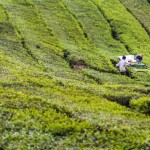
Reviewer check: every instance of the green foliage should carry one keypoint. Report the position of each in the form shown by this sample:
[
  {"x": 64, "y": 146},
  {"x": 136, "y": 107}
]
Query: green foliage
[
  {"x": 59, "y": 87},
  {"x": 139, "y": 9},
  {"x": 89, "y": 15},
  {"x": 141, "y": 105},
  {"x": 126, "y": 27},
  {"x": 102, "y": 77},
  {"x": 71, "y": 36}
]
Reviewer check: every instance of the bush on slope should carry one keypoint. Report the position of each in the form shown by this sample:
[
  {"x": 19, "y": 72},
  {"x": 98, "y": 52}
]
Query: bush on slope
[
  {"x": 71, "y": 37},
  {"x": 140, "y": 9},
  {"x": 95, "y": 27},
  {"x": 128, "y": 29},
  {"x": 44, "y": 104}
]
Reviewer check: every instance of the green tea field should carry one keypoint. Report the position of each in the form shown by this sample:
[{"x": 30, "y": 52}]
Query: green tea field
[{"x": 59, "y": 86}]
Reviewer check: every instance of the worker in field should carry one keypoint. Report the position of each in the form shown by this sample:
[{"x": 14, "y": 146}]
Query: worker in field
[
  {"x": 122, "y": 64},
  {"x": 139, "y": 58}
]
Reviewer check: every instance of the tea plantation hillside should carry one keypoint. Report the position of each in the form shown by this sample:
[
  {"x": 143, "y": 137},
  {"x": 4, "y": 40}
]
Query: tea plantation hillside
[{"x": 59, "y": 87}]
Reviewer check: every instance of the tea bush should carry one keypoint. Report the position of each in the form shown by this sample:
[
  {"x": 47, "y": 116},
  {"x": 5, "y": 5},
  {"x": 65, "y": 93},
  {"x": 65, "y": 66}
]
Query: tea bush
[
  {"x": 73, "y": 36},
  {"x": 126, "y": 27},
  {"x": 100, "y": 35},
  {"x": 141, "y": 105},
  {"x": 59, "y": 88},
  {"x": 138, "y": 9}
]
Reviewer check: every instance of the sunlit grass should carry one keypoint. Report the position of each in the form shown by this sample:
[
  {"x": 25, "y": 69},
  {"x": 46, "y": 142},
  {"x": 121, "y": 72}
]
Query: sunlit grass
[{"x": 58, "y": 87}]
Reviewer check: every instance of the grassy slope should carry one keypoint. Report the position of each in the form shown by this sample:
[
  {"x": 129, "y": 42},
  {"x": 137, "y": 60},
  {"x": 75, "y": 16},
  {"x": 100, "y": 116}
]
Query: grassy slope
[
  {"x": 45, "y": 104},
  {"x": 91, "y": 19},
  {"x": 128, "y": 30},
  {"x": 69, "y": 33},
  {"x": 140, "y": 9}
]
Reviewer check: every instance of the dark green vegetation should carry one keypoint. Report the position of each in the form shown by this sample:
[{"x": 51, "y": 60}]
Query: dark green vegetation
[{"x": 59, "y": 88}]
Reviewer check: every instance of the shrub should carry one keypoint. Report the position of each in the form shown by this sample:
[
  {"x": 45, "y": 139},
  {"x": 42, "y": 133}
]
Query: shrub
[{"x": 142, "y": 104}]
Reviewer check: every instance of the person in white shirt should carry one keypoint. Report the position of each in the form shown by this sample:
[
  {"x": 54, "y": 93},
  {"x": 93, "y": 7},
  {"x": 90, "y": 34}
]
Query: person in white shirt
[{"x": 122, "y": 64}]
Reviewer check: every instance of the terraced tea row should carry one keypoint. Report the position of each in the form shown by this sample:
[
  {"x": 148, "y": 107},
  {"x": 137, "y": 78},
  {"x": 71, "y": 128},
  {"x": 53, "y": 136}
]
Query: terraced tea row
[{"x": 59, "y": 88}]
